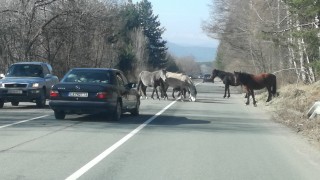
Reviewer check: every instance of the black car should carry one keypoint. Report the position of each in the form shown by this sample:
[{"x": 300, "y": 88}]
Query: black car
[
  {"x": 94, "y": 90},
  {"x": 207, "y": 78}
]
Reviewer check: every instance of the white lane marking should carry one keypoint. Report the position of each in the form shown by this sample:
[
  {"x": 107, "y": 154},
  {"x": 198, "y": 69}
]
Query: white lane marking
[
  {"x": 108, "y": 151},
  {"x": 23, "y": 121}
]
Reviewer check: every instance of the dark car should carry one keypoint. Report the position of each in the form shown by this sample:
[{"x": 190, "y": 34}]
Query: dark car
[
  {"x": 27, "y": 82},
  {"x": 94, "y": 90},
  {"x": 207, "y": 78}
]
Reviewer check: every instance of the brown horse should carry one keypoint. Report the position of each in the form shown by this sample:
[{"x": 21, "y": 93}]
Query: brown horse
[{"x": 255, "y": 82}]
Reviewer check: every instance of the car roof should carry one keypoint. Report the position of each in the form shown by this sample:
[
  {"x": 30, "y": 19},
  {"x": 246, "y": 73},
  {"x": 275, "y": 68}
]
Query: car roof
[
  {"x": 35, "y": 63},
  {"x": 103, "y": 69}
]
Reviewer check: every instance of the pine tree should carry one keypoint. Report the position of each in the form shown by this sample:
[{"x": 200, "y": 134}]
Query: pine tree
[{"x": 153, "y": 31}]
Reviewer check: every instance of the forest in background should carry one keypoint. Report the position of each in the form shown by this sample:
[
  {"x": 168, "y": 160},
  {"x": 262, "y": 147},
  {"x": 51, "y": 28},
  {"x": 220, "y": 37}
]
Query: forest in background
[
  {"x": 83, "y": 33},
  {"x": 274, "y": 36}
]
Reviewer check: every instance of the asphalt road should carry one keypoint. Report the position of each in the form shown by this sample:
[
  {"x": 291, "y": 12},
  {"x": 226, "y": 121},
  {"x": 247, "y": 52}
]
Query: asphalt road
[{"x": 212, "y": 138}]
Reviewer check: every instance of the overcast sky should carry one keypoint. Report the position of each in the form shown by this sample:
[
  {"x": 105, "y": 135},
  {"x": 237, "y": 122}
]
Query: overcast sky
[{"x": 182, "y": 20}]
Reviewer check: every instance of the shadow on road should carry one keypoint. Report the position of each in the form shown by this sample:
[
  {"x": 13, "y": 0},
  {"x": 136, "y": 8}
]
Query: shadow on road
[{"x": 8, "y": 106}]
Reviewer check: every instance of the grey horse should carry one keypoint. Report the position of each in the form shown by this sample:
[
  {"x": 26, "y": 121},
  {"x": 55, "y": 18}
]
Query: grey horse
[
  {"x": 182, "y": 83},
  {"x": 151, "y": 79}
]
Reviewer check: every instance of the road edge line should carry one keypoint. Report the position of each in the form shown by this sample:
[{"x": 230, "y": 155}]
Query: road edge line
[{"x": 19, "y": 122}]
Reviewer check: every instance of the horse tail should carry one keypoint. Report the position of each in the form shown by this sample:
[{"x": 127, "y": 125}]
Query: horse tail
[
  {"x": 274, "y": 86},
  {"x": 140, "y": 83}
]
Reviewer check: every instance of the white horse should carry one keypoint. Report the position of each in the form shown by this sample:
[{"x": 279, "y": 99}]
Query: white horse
[
  {"x": 181, "y": 81},
  {"x": 151, "y": 79}
]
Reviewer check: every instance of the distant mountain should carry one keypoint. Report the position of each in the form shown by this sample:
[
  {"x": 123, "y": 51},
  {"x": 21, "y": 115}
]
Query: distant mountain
[{"x": 201, "y": 54}]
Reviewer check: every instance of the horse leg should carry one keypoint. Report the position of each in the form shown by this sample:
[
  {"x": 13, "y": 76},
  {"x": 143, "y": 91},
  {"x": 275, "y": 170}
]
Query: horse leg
[
  {"x": 155, "y": 90},
  {"x": 152, "y": 93},
  {"x": 269, "y": 94},
  {"x": 184, "y": 92},
  {"x": 179, "y": 93},
  {"x": 228, "y": 88},
  {"x": 179, "y": 97},
  {"x": 163, "y": 90},
  {"x": 173, "y": 93},
  {"x": 253, "y": 99},
  {"x": 157, "y": 93},
  {"x": 144, "y": 89},
  {"x": 248, "y": 97},
  {"x": 225, "y": 91},
  {"x": 163, "y": 94}
]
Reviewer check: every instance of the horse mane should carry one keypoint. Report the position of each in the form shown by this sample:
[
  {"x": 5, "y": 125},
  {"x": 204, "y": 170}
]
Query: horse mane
[
  {"x": 245, "y": 77},
  {"x": 221, "y": 74}
]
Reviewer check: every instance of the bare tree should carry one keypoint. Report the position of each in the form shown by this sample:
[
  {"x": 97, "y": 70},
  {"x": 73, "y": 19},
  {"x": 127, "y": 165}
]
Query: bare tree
[
  {"x": 188, "y": 65},
  {"x": 265, "y": 36}
]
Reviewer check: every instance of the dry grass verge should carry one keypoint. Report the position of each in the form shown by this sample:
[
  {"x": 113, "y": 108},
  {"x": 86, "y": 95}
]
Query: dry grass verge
[{"x": 291, "y": 108}]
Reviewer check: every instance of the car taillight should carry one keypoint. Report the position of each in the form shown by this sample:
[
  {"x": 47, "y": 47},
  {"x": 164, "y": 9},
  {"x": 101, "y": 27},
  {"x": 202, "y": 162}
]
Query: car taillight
[
  {"x": 101, "y": 95},
  {"x": 54, "y": 93}
]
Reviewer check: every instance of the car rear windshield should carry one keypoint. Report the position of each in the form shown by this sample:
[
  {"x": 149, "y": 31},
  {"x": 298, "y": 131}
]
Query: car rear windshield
[
  {"x": 25, "y": 70},
  {"x": 87, "y": 76}
]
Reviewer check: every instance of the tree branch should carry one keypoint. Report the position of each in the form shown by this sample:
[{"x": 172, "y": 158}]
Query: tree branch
[{"x": 288, "y": 29}]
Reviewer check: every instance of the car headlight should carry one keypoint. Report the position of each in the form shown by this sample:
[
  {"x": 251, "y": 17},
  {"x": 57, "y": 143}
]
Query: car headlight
[{"x": 35, "y": 85}]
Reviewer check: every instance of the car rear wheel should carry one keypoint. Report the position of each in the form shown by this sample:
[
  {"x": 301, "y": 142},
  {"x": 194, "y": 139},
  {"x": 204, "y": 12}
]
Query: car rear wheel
[
  {"x": 41, "y": 101},
  {"x": 15, "y": 103},
  {"x": 1, "y": 103},
  {"x": 116, "y": 115},
  {"x": 59, "y": 114}
]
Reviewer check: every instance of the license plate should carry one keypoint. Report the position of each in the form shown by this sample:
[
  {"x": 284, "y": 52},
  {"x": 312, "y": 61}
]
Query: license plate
[
  {"x": 78, "y": 94},
  {"x": 14, "y": 91}
]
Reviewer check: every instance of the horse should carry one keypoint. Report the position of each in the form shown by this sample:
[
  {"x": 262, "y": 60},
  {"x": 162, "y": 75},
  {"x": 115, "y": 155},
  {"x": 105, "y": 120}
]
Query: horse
[
  {"x": 151, "y": 79},
  {"x": 256, "y": 82},
  {"x": 176, "y": 89},
  {"x": 227, "y": 78},
  {"x": 180, "y": 82}
]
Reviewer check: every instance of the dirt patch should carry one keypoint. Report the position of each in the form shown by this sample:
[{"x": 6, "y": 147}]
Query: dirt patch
[{"x": 291, "y": 107}]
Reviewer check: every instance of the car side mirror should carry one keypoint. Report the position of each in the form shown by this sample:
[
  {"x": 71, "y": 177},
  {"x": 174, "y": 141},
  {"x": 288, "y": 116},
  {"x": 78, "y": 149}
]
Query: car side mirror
[
  {"x": 47, "y": 76},
  {"x": 2, "y": 76}
]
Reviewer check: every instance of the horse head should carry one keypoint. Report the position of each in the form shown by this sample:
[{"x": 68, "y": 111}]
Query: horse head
[
  {"x": 193, "y": 90},
  {"x": 214, "y": 74},
  {"x": 163, "y": 75},
  {"x": 193, "y": 94},
  {"x": 237, "y": 77}
]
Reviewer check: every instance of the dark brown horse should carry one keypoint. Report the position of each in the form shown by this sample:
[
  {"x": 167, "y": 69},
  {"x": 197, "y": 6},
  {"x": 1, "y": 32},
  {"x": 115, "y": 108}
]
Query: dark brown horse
[
  {"x": 255, "y": 82},
  {"x": 227, "y": 78}
]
